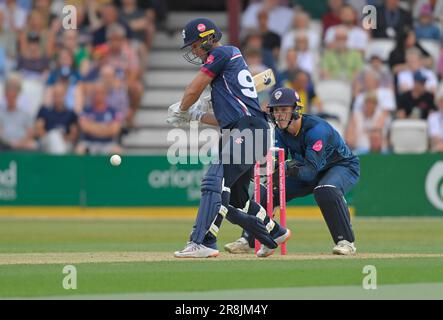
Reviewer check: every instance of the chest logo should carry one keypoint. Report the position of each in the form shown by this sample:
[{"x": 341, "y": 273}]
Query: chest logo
[{"x": 317, "y": 146}]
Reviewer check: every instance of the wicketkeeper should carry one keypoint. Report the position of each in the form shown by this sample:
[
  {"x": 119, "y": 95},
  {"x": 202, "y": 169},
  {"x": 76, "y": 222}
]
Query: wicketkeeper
[{"x": 320, "y": 163}]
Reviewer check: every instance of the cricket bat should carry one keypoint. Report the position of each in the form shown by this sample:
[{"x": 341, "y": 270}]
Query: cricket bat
[{"x": 264, "y": 80}]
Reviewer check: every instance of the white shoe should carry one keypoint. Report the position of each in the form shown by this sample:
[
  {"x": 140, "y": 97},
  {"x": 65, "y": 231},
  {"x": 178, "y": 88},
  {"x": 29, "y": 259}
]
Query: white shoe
[
  {"x": 264, "y": 251},
  {"x": 194, "y": 250},
  {"x": 239, "y": 246},
  {"x": 344, "y": 248}
]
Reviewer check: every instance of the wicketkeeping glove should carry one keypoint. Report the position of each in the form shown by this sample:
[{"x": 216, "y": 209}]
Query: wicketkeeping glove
[{"x": 292, "y": 168}]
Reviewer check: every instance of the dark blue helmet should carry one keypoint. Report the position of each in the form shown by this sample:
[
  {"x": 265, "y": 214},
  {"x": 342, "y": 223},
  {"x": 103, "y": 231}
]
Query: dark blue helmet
[
  {"x": 200, "y": 29},
  {"x": 285, "y": 97}
]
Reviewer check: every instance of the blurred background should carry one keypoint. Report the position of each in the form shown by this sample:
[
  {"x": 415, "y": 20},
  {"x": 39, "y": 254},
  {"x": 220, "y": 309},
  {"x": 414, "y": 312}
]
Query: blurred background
[{"x": 105, "y": 87}]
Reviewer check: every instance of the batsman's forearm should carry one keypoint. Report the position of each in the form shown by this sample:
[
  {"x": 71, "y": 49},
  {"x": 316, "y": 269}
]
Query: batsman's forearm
[{"x": 189, "y": 98}]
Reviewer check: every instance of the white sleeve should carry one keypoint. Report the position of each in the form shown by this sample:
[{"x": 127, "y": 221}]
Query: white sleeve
[
  {"x": 431, "y": 80},
  {"x": 433, "y": 125},
  {"x": 329, "y": 36},
  {"x": 358, "y": 103},
  {"x": 249, "y": 19},
  {"x": 362, "y": 39},
  {"x": 288, "y": 41},
  {"x": 386, "y": 99},
  {"x": 405, "y": 79}
]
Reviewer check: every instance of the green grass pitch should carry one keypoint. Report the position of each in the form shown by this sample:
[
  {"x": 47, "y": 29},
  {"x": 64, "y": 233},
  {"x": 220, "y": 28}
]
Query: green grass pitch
[{"x": 407, "y": 254}]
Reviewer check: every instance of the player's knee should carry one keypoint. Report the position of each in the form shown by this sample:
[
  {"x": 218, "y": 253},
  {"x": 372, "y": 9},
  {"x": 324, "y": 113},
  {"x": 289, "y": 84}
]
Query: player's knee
[
  {"x": 326, "y": 193},
  {"x": 215, "y": 183}
]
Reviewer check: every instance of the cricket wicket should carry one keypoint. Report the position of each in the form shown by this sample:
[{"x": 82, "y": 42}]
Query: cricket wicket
[{"x": 269, "y": 189}]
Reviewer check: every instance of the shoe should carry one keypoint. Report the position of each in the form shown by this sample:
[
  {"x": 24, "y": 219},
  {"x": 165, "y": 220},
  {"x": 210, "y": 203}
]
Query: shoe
[
  {"x": 264, "y": 251},
  {"x": 194, "y": 250},
  {"x": 344, "y": 248},
  {"x": 239, "y": 246}
]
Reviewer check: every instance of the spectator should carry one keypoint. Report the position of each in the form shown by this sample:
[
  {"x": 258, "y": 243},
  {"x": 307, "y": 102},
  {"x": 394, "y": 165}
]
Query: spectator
[
  {"x": 109, "y": 17},
  {"x": 56, "y": 126},
  {"x": 44, "y": 7},
  {"x": 117, "y": 94},
  {"x": 99, "y": 59},
  {"x": 66, "y": 72},
  {"x": 406, "y": 40},
  {"x": 357, "y": 37},
  {"x": 35, "y": 28},
  {"x": 8, "y": 47},
  {"x": 363, "y": 121},
  {"x": 291, "y": 64},
  {"x": 143, "y": 28},
  {"x": 16, "y": 127},
  {"x": 301, "y": 24},
  {"x": 332, "y": 17},
  {"x": 425, "y": 28},
  {"x": 254, "y": 60},
  {"x": 126, "y": 63},
  {"x": 99, "y": 126},
  {"x": 33, "y": 63},
  {"x": 375, "y": 65},
  {"x": 391, "y": 20},
  {"x": 299, "y": 80},
  {"x": 14, "y": 16},
  {"x": 280, "y": 17},
  {"x": 435, "y": 125},
  {"x": 70, "y": 41},
  {"x": 416, "y": 103},
  {"x": 271, "y": 40},
  {"x": 305, "y": 57},
  {"x": 436, "y": 9},
  {"x": 372, "y": 84},
  {"x": 440, "y": 66},
  {"x": 378, "y": 141},
  {"x": 339, "y": 62},
  {"x": 405, "y": 79},
  {"x": 255, "y": 40}
]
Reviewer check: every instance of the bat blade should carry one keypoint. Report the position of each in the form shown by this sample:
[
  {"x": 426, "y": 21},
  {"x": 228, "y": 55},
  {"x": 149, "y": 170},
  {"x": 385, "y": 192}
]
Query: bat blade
[{"x": 264, "y": 80}]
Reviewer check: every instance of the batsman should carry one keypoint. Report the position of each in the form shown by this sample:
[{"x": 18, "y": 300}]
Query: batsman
[
  {"x": 321, "y": 164},
  {"x": 236, "y": 110}
]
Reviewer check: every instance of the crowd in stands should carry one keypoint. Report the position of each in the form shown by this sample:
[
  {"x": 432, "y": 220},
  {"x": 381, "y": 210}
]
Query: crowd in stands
[
  {"x": 78, "y": 90},
  {"x": 67, "y": 90},
  {"x": 400, "y": 80}
]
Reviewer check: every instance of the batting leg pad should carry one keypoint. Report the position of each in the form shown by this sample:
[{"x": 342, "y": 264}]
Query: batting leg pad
[
  {"x": 253, "y": 226},
  {"x": 213, "y": 207},
  {"x": 272, "y": 226},
  {"x": 335, "y": 212}
]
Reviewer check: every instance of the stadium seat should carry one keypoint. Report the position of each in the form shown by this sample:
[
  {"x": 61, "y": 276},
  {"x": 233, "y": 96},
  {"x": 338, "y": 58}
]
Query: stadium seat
[
  {"x": 338, "y": 109},
  {"x": 334, "y": 91},
  {"x": 409, "y": 136},
  {"x": 433, "y": 47},
  {"x": 380, "y": 46}
]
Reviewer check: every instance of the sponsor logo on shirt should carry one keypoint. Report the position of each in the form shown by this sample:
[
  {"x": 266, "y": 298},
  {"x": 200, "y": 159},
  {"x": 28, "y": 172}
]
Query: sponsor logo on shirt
[
  {"x": 317, "y": 146},
  {"x": 210, "y": 59}
]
